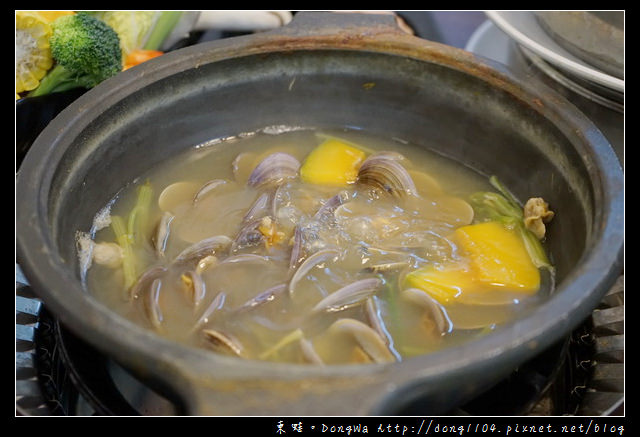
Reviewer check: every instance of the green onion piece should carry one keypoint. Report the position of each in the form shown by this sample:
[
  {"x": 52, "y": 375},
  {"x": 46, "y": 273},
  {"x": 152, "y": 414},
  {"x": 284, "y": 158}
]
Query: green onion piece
[
  {"x": 128, "y": 259},
  {"x": 493, "y": 180},
  {"x": 289, "y": 338},
  {"x": 392, "y": 288},
  {"x": 534, "y": 248},
  {"x": 494, "y": 206},
  {"x": 140, "y": 212},
  {"x": 510, "y": 223}
]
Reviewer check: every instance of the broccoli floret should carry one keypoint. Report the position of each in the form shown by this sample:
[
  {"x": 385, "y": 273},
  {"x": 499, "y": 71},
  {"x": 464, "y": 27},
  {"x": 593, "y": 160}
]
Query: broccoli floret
[{"x": 86, "y": 51}]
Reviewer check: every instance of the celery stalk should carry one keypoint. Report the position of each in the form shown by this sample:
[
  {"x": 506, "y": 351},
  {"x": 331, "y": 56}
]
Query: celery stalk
[
  {"x": 534, "y": 248},
  {"x": 494, "y": 205},
  {"x": 289, "y": 338},
  {"x": 128, "y": 259},
  {"x": 140, "y": 212},
  {"x": 162, "y": 29},
  {"x": 493, "y": 180}
]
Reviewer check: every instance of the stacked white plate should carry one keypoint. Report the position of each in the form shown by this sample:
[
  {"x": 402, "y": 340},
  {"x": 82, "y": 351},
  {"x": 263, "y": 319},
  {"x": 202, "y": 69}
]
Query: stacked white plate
[{"x": 548, "y": 53}]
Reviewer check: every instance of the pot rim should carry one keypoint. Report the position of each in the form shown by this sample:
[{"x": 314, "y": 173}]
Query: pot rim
[{"x": 599, "y": 266}]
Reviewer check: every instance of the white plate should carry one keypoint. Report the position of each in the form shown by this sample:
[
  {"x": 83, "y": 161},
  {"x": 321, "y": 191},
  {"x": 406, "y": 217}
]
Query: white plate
[
  {"x": 523, "y": 27},
  {"x": 490, "y": 42}
]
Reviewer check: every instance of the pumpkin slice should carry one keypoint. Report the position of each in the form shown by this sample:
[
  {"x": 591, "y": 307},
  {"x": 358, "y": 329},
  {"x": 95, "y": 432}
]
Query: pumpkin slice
[{"x": 332, "y": 163}]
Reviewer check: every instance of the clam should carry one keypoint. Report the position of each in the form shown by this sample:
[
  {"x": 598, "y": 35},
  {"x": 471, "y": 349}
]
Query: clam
[
  {"x": 297, "y": 250},
  {"x": 206, "y": 263},
  {"x": 208, "y": 188},
  {"x": 266, "y": 296},
  {"x": 202, "y": 248},
  {"x": 402, "y": 252},
  {"x": 216, "y": 304},
  {"x": 390, "y": 154},
  {"x": 426, "y": 184},
  {"x": 241, "y": 166},
  {"x": 152, "y": 304},
  {"x": 177, "y": 194},
  {"x": 387, "y": 267},
  {"x": 274, "y": 169},
  {"x": 435, "y": 311},
  {"x": 305, "y": 241},
  {"x": 315, "y": 259},
  {"x": 162, "y": 233},
  {"x": 387, "y": 174},
  {"x": 246, "y": 258},
  {"x": 309, "y": 353},
  {"x": 145, "y": 279},
  {"x": 221, "y": 342},
  {"x": 372, "y": 313},
  {"x": 195, "y": 285},
  {"x": 325, "y": 213},
  {"x": 260, "y": 208},
  {"x": 366, "y": 338},
  {"x": 478, "y": 311},
  {"x": 536, "y": 214},
  {"x": 383, "y": 260},
  {"x": 249, "y": 235},
  {"x": 349, "y": 295}
]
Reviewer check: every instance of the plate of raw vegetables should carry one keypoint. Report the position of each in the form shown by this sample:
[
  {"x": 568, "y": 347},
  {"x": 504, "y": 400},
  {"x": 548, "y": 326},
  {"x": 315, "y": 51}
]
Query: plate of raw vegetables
[
  {"x": 62, "y": 54},
  {"x": 61, "y": 50}
]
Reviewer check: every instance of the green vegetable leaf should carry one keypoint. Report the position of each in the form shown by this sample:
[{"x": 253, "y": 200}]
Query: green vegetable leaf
[{"x": 504, "y": 208}]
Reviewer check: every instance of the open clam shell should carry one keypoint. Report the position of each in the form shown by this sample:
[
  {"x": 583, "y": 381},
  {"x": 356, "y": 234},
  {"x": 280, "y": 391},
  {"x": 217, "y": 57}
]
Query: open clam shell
[
  {"x": 309, "y": 352},
  {"x": 202, "y": 248},
  {"x": 152, "y": 273},
  {"x": 387, "y": 174},
  {"x": 266, "y": 296},
  {"x": 313, "y": 260},
  {"x": 223, "y": 343},
  {"x": 162, "y": 232},
  {"x": 216, "y": 304},
  {"x": 196, "y": 288},
  {"x": 177, "y": 195},
  {"x": 366, "y": 337},
  {"x": 431, "y": 306},
  {"x": 208, "y": 188},
  {"x": 152, "y": 304},
  {"x": 349, "y": 295},
  {"x": 274, "y": 169}
]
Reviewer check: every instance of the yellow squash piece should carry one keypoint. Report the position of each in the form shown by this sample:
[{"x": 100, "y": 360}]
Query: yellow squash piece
[
  {"x": 443, "y": 284},
  {"x": 50, "y": 16},
  {"x": 499, "y": 257},
  {"x": 332, "y": 163},
  {"x": 33, "y": 54},
  {"x": 497, "y": 261}
]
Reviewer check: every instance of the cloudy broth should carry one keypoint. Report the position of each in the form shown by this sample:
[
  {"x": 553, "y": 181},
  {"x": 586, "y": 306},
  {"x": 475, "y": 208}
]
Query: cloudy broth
[{"x": 292, "y": 270}]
